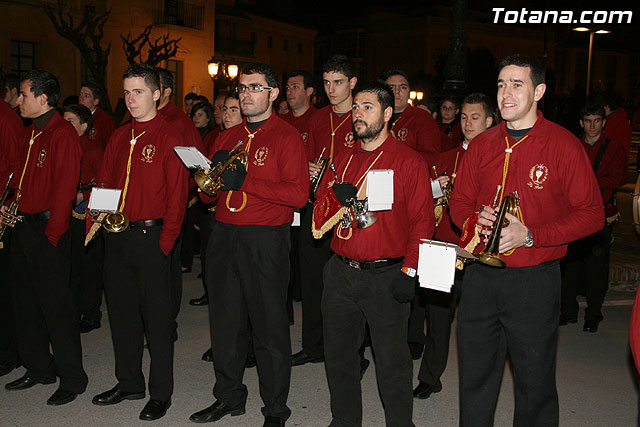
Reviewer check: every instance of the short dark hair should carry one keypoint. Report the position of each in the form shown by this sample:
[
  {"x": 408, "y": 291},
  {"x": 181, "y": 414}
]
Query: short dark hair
[
  {"x": 340, "y": 64},
  {"x": 82, "y": 112},
  {"x": 94, "y": 87},
  {"x": 484, "y": 100},
  {"x": 190, "y": 96},
  {"x": 258, "y": 68},
  {"x": 431, "y": 104},
  {"x": 452, "y": 99},
  {"x": 43, "y": 81},
  {"x": 592, "y": 110},
  {"x": 394, "y": 72},
  {"x": 536, "y": 71},
  {"x": 232, "y": 95},
  {"x": 381, "y": 89},
  {"x": 307, "y": 78},
  {"x": 208, "y": 110},
  {"x": 167, "y": 81},
  {"x": 12, "y": 81},
  {"x": 147, "y": 72},
  {"x": 200, "y": 98}
]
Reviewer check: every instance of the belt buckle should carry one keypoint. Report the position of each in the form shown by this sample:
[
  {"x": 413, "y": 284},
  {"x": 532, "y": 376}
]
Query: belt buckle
[{"x": 354, "y": 264}]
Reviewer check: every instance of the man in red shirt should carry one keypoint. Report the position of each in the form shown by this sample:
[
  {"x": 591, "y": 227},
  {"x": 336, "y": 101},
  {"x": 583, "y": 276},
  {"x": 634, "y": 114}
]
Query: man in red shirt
[
  {"x": 587, "y": 259},
  {"x": 86, "y": 262},
  {"x": 140, "y": 160},
  {"x": 449, "y": 123},
  {"x": 102, "y": 123},
  {"x": 10, "y": 139},
  {"x": 439, "y": 307},
  {"x": 618, "y": 128},
  {"x": 413, "y": 126},
  {"x": 47, "y": 170},
  {"x": 299, "y": 90},
  {"x": 518, "y": 307},
  {"x": 249, "y": 251},
  {"x": 371, "y": 277},
  {"x": 330, "y": 137}
]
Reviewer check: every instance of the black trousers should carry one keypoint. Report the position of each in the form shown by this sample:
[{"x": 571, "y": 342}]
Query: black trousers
[
  {"x": 251, "y": 268},
  {"x": 439, "y": 310},
  {"x": 8, "y": 344},
  {"x": 351, "y": 299},
  {"x": 206, "y": 220},
  {"x": 86, "y": 271},
  {"x": 43, "y": 307},
  {"x": 137, "y": 285},
  {"x": 586, "y": 263},
  {"x": 518, "y": 309},
  {"x": 314, "y": 254}
]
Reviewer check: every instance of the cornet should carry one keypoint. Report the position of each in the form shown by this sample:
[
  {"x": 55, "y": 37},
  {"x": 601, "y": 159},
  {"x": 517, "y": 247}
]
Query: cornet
[
  {"x": 209, "y": 181},
  {"x": 10, "y": 216},
  {"x": 443, "y": 201},
  {"x": 357, "y": 211},
  {"x": 491, "y": 254},
  {"x": 314, "y": 181}
]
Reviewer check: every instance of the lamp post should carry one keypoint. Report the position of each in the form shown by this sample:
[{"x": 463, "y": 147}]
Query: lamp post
[
  {"x": 222, "y": 69},
  {"x": 415, "y": 95},
  {"x": 592, "y": 33}
]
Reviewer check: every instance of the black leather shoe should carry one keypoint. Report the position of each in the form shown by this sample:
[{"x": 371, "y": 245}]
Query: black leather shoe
[
  {"x": 301, "y": 358},
  {"x": 424, "y": 390},
  {"x": 564, "y": 320},
  {"x": 116, "y": 395},
  {"x": 270, "y": 421},
  {"x": 88, "y": 325},
  {"x": 216, "y": 411},
  {"x": 590, "y": 327},
  {"x": 186, "y": 270},
  {"x": 207, "y": 356},
  {"x": 24, "y": 383},
  {"x": 203, "y": 300},
  {"x": 364, "y": 364},
  {"x": 6, "y": 368},
  {"x": 415, "y": 348},
  {"x": 154, "y": 409},
  {"x": 61, "y": 397}
]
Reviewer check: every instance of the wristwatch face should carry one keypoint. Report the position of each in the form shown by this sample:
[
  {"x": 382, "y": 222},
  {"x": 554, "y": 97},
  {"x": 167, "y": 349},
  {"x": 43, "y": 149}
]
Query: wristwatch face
[{"x": 528, "y": 242}]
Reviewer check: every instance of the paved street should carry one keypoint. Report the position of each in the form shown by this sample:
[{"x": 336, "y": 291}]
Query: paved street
[{"x": 596, "y": 381}]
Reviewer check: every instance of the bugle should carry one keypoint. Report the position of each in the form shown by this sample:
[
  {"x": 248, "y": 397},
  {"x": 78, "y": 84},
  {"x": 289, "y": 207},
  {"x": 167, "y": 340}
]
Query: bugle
[
  {"x": 443, "y": 201},
  {"x": 10, "y": 216},
  {"x": 491, "y": 254},
  {"x": 209, "y": 181}
]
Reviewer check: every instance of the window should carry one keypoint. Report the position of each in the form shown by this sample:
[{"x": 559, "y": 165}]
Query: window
[
  {"x": 285, "y": 45},
  {"x": 23, "y": 57},
  {"x": 269, "y": 41},
  {"x": 175, "y": 67}
]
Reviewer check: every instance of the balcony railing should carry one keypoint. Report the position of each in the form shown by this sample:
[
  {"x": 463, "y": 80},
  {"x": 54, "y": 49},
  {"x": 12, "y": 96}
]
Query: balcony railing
[{"x": 182, "y": 13}]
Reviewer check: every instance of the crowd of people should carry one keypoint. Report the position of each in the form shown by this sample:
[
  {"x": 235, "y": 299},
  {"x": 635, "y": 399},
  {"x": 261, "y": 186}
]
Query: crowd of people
[{"x": 356, "y": 279}]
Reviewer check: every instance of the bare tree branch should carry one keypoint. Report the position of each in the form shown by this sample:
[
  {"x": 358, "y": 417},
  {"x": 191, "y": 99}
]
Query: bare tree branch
[{"x": 159, "y": 50}]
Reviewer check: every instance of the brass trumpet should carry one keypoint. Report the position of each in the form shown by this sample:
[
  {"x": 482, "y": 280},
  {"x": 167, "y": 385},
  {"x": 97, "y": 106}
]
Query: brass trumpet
[
  {"x": 314, "y": 181},
  {"x": 10, "y": 216},
  {"x": 209, "y": 181},
  {"x": 443, "y": 201},
  {"x": 491, "y": 254},
  {"x": 113, "y": 222},
  {"x": 357, "y": 212}
]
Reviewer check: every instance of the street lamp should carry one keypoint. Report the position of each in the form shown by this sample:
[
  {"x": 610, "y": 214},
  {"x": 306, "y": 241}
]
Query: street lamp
[
  {"x": 591, "y": 34},
  {"x": 222, "y": 69},
  {"x": 413, "y": 95}
]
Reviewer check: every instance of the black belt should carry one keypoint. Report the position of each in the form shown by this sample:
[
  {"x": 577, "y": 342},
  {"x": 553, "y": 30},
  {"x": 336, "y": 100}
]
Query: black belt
[
  {"x": 30, "y": 218},
  {"x": 369, "y": 265},
  {"x": 145, "y": 223}
]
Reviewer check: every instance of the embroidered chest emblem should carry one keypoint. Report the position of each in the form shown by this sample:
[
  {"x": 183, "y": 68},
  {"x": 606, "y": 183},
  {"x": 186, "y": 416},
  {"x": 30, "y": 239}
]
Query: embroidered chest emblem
[
  {"x": 402, "y": 134},
  {"x": 349, "y": 140},
  {"x": 148, "y": 152},
  {"x": 260, "y": 156},
  {"x": 42, "y": 156},
  {"x": 93, "y": 133},
  {"x": 538, "y": 175},
  {"x": 304, "y": 136}
]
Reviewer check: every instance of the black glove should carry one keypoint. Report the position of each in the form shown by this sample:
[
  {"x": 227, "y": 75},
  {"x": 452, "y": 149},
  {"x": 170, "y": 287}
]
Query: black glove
[
  {"x": 233, "y": 178},
  {"x": 345, "y": 191},
  {"x": 403, "y": 287},
  {"x": 220, "y": 156}
]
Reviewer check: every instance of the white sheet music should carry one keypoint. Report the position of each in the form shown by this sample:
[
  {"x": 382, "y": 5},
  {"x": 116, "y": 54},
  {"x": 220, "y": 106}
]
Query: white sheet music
[
  {"x": 104, "y": 199},
  {"x": 437, "y": 265},
  {"x": 380, "y": 189},
  {"x": 192, "y": 157}
]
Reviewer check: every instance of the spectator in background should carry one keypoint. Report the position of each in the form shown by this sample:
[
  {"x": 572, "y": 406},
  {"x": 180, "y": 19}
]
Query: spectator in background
[{"x": 188, "y": 102}]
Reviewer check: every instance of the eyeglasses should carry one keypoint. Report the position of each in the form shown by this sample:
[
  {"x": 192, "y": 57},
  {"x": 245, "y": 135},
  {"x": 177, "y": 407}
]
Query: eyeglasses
[{"x": 253, "y": 88}]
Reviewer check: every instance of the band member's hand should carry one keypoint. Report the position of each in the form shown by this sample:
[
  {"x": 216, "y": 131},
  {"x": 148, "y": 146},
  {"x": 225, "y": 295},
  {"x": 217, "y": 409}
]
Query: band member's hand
[
  {"x": 513, "y": 235},
  {"x": 79, "y": 197},
  {"x": 443, "y": 180},
  {"x": 403, "y": 287},
  {"x": 345, "y": 191},
  {"x": 486, "y": 218},
  {"x": 219, "y": 156},
  {"x": 3, "y": 209},
  {"x": 233, "y": 178},
  {"x": 314, "y": 169}
]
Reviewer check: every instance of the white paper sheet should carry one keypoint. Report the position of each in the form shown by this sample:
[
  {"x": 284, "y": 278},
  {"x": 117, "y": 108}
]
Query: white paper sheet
[
  {"x": 436, "y": 265},
  {"x": 380, "y": 189},
  {"x": 436, "y": 189},
  {"x": 104, "y": 199},
  {"x": 296, "y": 219},
  {"x": 192, "y": 157}
]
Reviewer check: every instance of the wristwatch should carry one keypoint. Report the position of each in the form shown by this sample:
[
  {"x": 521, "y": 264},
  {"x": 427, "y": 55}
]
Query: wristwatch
[
  {"x": 411, "y": 272},
  {"x": 528, "y": 241}
]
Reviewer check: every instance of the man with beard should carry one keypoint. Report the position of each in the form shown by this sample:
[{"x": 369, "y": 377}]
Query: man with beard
[
  {"x": 371, "y": 277},
  {"x": 249, "y": 251}
]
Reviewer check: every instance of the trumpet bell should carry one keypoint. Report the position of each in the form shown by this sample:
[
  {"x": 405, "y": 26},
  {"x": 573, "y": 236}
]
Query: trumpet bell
[
  {"x": 366, "y": 219},
  {"x": 115, "y": 222},
  {"x": 207, "y": 184},
  {"x": 491, "y": 259}
]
